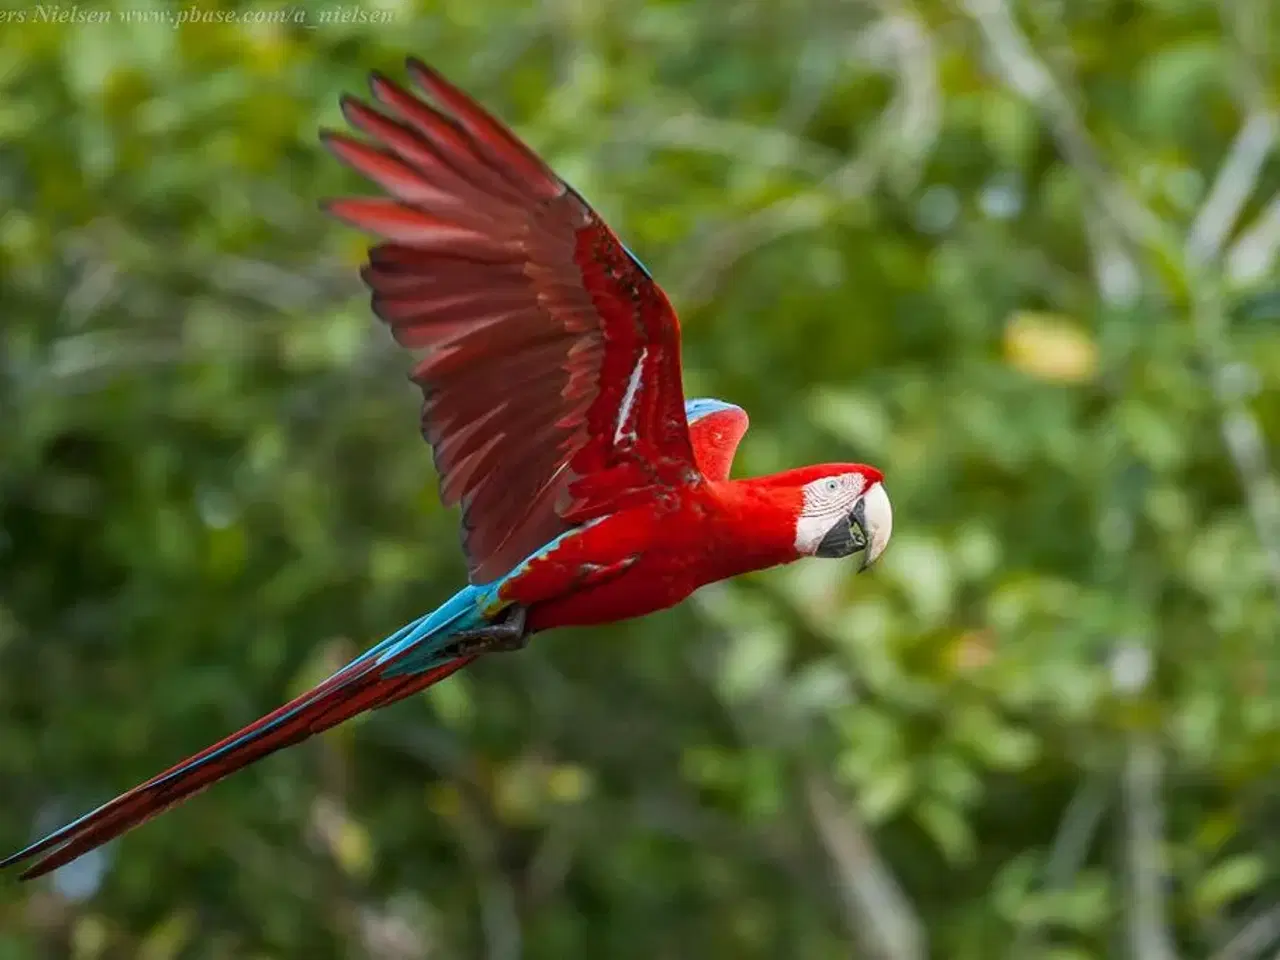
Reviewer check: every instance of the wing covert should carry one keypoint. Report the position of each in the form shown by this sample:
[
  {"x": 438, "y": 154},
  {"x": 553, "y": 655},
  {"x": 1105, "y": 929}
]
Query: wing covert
[{"x": 715, "y": 430}]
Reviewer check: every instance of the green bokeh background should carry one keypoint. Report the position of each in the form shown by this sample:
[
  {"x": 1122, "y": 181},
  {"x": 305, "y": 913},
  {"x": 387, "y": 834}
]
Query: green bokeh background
[{"x": 993, "y": 250}]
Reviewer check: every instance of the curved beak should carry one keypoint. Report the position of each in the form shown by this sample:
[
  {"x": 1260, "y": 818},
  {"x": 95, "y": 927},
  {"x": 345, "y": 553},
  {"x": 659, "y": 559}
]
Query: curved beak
[
  {"x": 874, "y": 516},
  {"x": 866, "y": 528}
]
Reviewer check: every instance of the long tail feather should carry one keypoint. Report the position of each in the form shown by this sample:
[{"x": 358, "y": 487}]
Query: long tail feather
[{"x": 401, "y": 665}]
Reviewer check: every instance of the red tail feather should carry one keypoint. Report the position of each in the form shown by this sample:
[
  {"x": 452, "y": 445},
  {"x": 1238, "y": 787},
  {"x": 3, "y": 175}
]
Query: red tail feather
[{"x": 339, "y": 698}]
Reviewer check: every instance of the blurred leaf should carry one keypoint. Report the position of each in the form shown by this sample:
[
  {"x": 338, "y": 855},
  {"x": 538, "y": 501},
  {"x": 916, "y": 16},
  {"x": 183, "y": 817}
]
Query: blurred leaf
[
  {"x": 1049, "y": 347},
  {"x": 1172, "y": 82},
  {"x": 1229, "y": 880},
  {"x": 886, "y": 793},
  {"x": 947, "y": 828}
]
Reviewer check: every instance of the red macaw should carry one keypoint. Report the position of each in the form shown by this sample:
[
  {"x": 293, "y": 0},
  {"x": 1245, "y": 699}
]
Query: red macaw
[{"x": 591, "y": 492}]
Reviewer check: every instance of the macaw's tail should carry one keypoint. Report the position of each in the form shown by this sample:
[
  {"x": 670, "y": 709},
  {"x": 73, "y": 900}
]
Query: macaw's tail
[{"x": 404, "y": 663}]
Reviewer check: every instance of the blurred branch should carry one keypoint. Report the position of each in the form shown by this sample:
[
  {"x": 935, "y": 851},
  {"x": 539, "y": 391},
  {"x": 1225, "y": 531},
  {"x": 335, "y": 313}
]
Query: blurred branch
[
  {"x": 1148, "y": 923},
  {"x": 481, "y": 841},
  {"x": 1241, "y": 433},
  {"x": 1025, "y": 73},
  {"x": 1147, "y": 928},
  {"x": 1232, "y": 383},
  {"x": 550, "y": 864},
  {"x": 282, "y": 288},
  {"x": 684, "y": 818},
  {"x": 879, "y": 915},
  {"x": 84, "y": 362},
  {"x": 1115, "y": 271},
  {"x": 1253, "y": 255},
  {"x": 1120, "y": 286},
  {"x": 769, "y": 147},
  {"x": 1076, "y": 831},
  {"x": 915, "y": 114},
  {"x": 96, "y": 287},
  {"x": 1259, "y": 932},
  {"x": 1237, "y": 178},
  {"x": 1071, "y": 845}
]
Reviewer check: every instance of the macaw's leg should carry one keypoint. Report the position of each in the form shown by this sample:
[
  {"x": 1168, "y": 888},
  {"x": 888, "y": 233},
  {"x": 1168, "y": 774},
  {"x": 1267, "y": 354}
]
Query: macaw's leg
[{"x": 509, "y": 633}]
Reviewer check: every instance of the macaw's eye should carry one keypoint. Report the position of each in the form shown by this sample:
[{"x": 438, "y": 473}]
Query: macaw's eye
[{"x": 832, "y": 485}]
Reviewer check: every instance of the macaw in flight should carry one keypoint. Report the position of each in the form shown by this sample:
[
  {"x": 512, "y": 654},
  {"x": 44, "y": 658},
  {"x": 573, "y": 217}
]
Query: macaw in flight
[{"x": 590, "y": 490}]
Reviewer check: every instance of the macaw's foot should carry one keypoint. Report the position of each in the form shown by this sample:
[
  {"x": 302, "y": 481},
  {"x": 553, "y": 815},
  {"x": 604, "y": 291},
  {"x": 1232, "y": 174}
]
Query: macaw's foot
[{"x": 506, "y": 634}]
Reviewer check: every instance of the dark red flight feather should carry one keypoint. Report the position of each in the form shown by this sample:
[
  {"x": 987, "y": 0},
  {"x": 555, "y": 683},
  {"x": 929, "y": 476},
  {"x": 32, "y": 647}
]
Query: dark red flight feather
[{"x": 551, "y": 366}]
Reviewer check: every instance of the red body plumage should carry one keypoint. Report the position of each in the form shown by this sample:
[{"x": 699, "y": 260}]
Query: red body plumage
[{"x": 662, "y": 551}]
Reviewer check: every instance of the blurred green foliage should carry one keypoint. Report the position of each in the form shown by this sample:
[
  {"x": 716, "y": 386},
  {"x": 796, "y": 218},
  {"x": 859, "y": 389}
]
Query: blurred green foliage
[{"x": 1046, "y": 728}]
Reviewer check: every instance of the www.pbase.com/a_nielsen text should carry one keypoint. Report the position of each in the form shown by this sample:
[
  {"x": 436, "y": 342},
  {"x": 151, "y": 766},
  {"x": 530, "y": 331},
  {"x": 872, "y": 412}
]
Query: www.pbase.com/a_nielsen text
[{"x": 194, "y": 16}]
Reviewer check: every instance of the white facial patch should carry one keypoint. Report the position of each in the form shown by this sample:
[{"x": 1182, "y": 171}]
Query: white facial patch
[{"x": 826, "y": 502}]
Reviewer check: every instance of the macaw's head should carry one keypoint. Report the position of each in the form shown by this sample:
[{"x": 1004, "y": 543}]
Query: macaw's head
[
  {"x": 845, "y": 511},
  {"x": 841, "y": 509}
]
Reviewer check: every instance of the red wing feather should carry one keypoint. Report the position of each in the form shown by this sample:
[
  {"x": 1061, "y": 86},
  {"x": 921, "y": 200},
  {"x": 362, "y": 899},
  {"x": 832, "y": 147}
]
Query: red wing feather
[{"x": 551, "y": 366}]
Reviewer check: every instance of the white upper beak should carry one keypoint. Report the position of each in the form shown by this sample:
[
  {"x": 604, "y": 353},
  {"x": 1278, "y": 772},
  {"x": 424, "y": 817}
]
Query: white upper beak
[{"x": 878, "y": 516}]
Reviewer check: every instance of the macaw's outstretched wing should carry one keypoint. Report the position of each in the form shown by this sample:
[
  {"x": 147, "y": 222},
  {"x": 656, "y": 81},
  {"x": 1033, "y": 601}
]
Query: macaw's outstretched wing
[
  {"x": 715, "y": 430},
  {"x": 551, "y": 372}
]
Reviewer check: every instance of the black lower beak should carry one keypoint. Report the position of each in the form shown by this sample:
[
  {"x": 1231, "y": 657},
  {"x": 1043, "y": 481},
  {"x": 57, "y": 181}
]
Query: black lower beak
[{"x": 847, "y": 537}]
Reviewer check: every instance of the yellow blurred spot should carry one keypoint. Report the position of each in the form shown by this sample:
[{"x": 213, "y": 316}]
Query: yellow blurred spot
[
  {"x": 354, "y": 849},
  {"x": 972, "y": 651},
  {"x": 89, "y": 937},
  {"x": 354, "y": 248},
  {"x": 568, "y": 784},
  {"x": 269, "y": 44},
  {"x": 444, "y": 800},
  {"x": 1050, "y": 347},
  {"x": 517, "y": 796}
]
